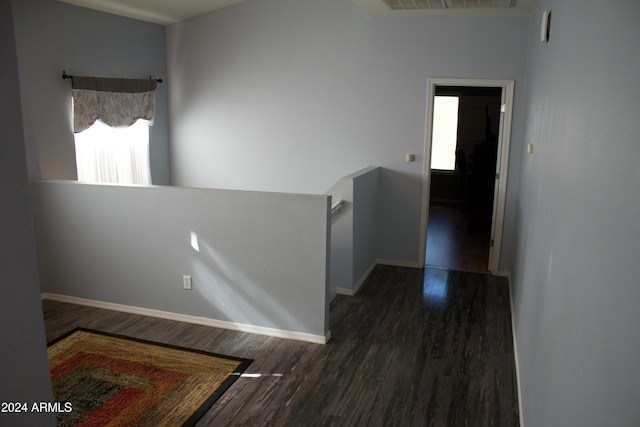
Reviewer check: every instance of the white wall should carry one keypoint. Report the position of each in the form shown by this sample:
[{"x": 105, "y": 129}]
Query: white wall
[
  {"x": 53, "y": 36},
  {"x": 576, "y": 271},
  {"x": 291, "y": 95},
  {"x": 24, "y": 376},
  {"x": 256, "y": 258}
]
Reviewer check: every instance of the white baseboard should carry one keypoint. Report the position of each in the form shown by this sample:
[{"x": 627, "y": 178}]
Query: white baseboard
[
  {"x": 515, "y": 347},
  {"x": 204, "y": 321},
  {"x": 345, "y": 291},
  {"x": 359, "y": 283},
  {"x": 364, "y": 277},
  {"x": 399, "y": 263}
]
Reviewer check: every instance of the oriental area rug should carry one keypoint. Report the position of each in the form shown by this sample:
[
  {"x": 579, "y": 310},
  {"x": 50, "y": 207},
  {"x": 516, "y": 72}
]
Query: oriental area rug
[{"x": 105, "y": 379}]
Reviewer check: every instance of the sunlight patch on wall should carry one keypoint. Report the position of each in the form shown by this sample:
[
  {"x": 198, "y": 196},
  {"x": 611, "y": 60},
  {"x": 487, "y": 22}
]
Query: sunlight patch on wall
[{"x": 194, "y": 241}]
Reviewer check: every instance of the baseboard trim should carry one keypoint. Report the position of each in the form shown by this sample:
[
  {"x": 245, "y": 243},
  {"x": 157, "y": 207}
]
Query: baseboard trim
[
  {"x": 364, "y": 277},
  {"x": 516, "y": 354},
  {"x": 399, "y": 263},
  {"x": 345, "y": 291},
  {"x": 203, "y": 321},
  {"x": 359, "y": 283}
]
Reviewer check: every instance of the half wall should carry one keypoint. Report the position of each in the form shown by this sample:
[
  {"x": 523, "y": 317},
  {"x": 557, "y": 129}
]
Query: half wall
[{"x": 258, "y": 261}]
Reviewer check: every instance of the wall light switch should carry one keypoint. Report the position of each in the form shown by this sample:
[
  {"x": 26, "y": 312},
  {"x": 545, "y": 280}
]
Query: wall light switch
[
  {"x": 529, "y": 148},
  {"x": 410, "y": 158},
  {"x": 186, "y": 282}
]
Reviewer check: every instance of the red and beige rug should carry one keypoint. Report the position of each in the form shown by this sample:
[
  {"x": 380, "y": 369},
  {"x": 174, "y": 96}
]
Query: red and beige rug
[{"x": 106, "y": 379}]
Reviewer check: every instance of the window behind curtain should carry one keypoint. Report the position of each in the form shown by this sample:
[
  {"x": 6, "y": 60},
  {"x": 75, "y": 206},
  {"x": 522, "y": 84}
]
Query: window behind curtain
[
  {"x": 113, "y": 155},
  {"x": 111, "y": 119}
]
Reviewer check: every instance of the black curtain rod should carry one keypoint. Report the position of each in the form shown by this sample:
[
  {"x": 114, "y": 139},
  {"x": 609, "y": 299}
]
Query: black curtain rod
[{"x": 66, "y": 76}]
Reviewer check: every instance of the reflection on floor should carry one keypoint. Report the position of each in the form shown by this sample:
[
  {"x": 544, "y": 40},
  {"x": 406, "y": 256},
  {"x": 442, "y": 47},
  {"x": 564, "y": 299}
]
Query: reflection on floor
[{"x": 450, "y": 244}]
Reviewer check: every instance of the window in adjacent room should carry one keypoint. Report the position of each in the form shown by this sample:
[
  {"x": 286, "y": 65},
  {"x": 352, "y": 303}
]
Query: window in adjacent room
[{"x": 445, "y": 132}]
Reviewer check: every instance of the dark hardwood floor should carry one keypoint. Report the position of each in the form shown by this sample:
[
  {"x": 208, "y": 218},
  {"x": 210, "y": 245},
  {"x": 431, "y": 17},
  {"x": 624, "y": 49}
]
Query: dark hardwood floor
[
  {"x": 412, "y": 348},
  {"x": 452, "y": 243}
]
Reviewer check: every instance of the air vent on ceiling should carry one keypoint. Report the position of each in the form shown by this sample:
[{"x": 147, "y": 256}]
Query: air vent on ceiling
[{"x": 445, "y": 4}]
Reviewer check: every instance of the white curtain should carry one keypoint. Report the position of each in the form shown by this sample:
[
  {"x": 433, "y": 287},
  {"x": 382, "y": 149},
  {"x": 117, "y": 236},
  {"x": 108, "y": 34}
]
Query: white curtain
[
  {"x": 111, "y": 119},
  {"x": 114, "y": 155}
]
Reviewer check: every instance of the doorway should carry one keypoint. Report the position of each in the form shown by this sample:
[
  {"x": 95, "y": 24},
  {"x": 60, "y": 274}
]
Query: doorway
[{"x": 464, "y": 194}]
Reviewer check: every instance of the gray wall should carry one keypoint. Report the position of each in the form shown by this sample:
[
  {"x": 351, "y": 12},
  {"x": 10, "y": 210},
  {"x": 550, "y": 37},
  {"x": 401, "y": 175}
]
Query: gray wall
[
  {"x": 341, "y": 252},
  {"x": 353, "y": 230},
  {"x": 53, "y": 36},
  {"x": 365, "y": 219},
  {"x": 132, "y": 245},
  {"x": 24, "y": 376},
  {"x": 575, "y": 269},
  {"x": 290, "y": 95}
]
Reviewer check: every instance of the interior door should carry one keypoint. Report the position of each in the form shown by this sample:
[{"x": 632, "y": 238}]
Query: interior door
[{"x": 502, "y": 155}]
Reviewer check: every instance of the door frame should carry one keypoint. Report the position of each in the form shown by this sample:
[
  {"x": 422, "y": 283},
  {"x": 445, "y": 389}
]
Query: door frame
[{"x": 502, "y": 163}]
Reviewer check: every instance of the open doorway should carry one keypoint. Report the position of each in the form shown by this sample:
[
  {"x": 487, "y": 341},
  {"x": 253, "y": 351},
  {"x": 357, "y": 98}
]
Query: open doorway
[
  {"x": 463, "y": 195},
  {"x": 464, "y": 147}
]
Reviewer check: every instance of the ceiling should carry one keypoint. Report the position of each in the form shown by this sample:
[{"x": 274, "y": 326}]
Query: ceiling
[
  {"x": 171, "y": 11},
  {"x": 158, "y": 11}
]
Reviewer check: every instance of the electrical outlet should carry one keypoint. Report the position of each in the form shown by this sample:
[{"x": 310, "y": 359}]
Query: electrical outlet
[{"x": 186, "y": 282}]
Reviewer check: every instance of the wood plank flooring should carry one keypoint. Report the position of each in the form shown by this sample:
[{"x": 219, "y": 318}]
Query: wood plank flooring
[
  {"x": 412, "y": 348},
  {"x": 450, "y": 242}
]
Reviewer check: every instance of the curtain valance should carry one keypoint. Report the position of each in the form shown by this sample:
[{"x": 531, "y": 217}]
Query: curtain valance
[{"x": 116, "y": 102}]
